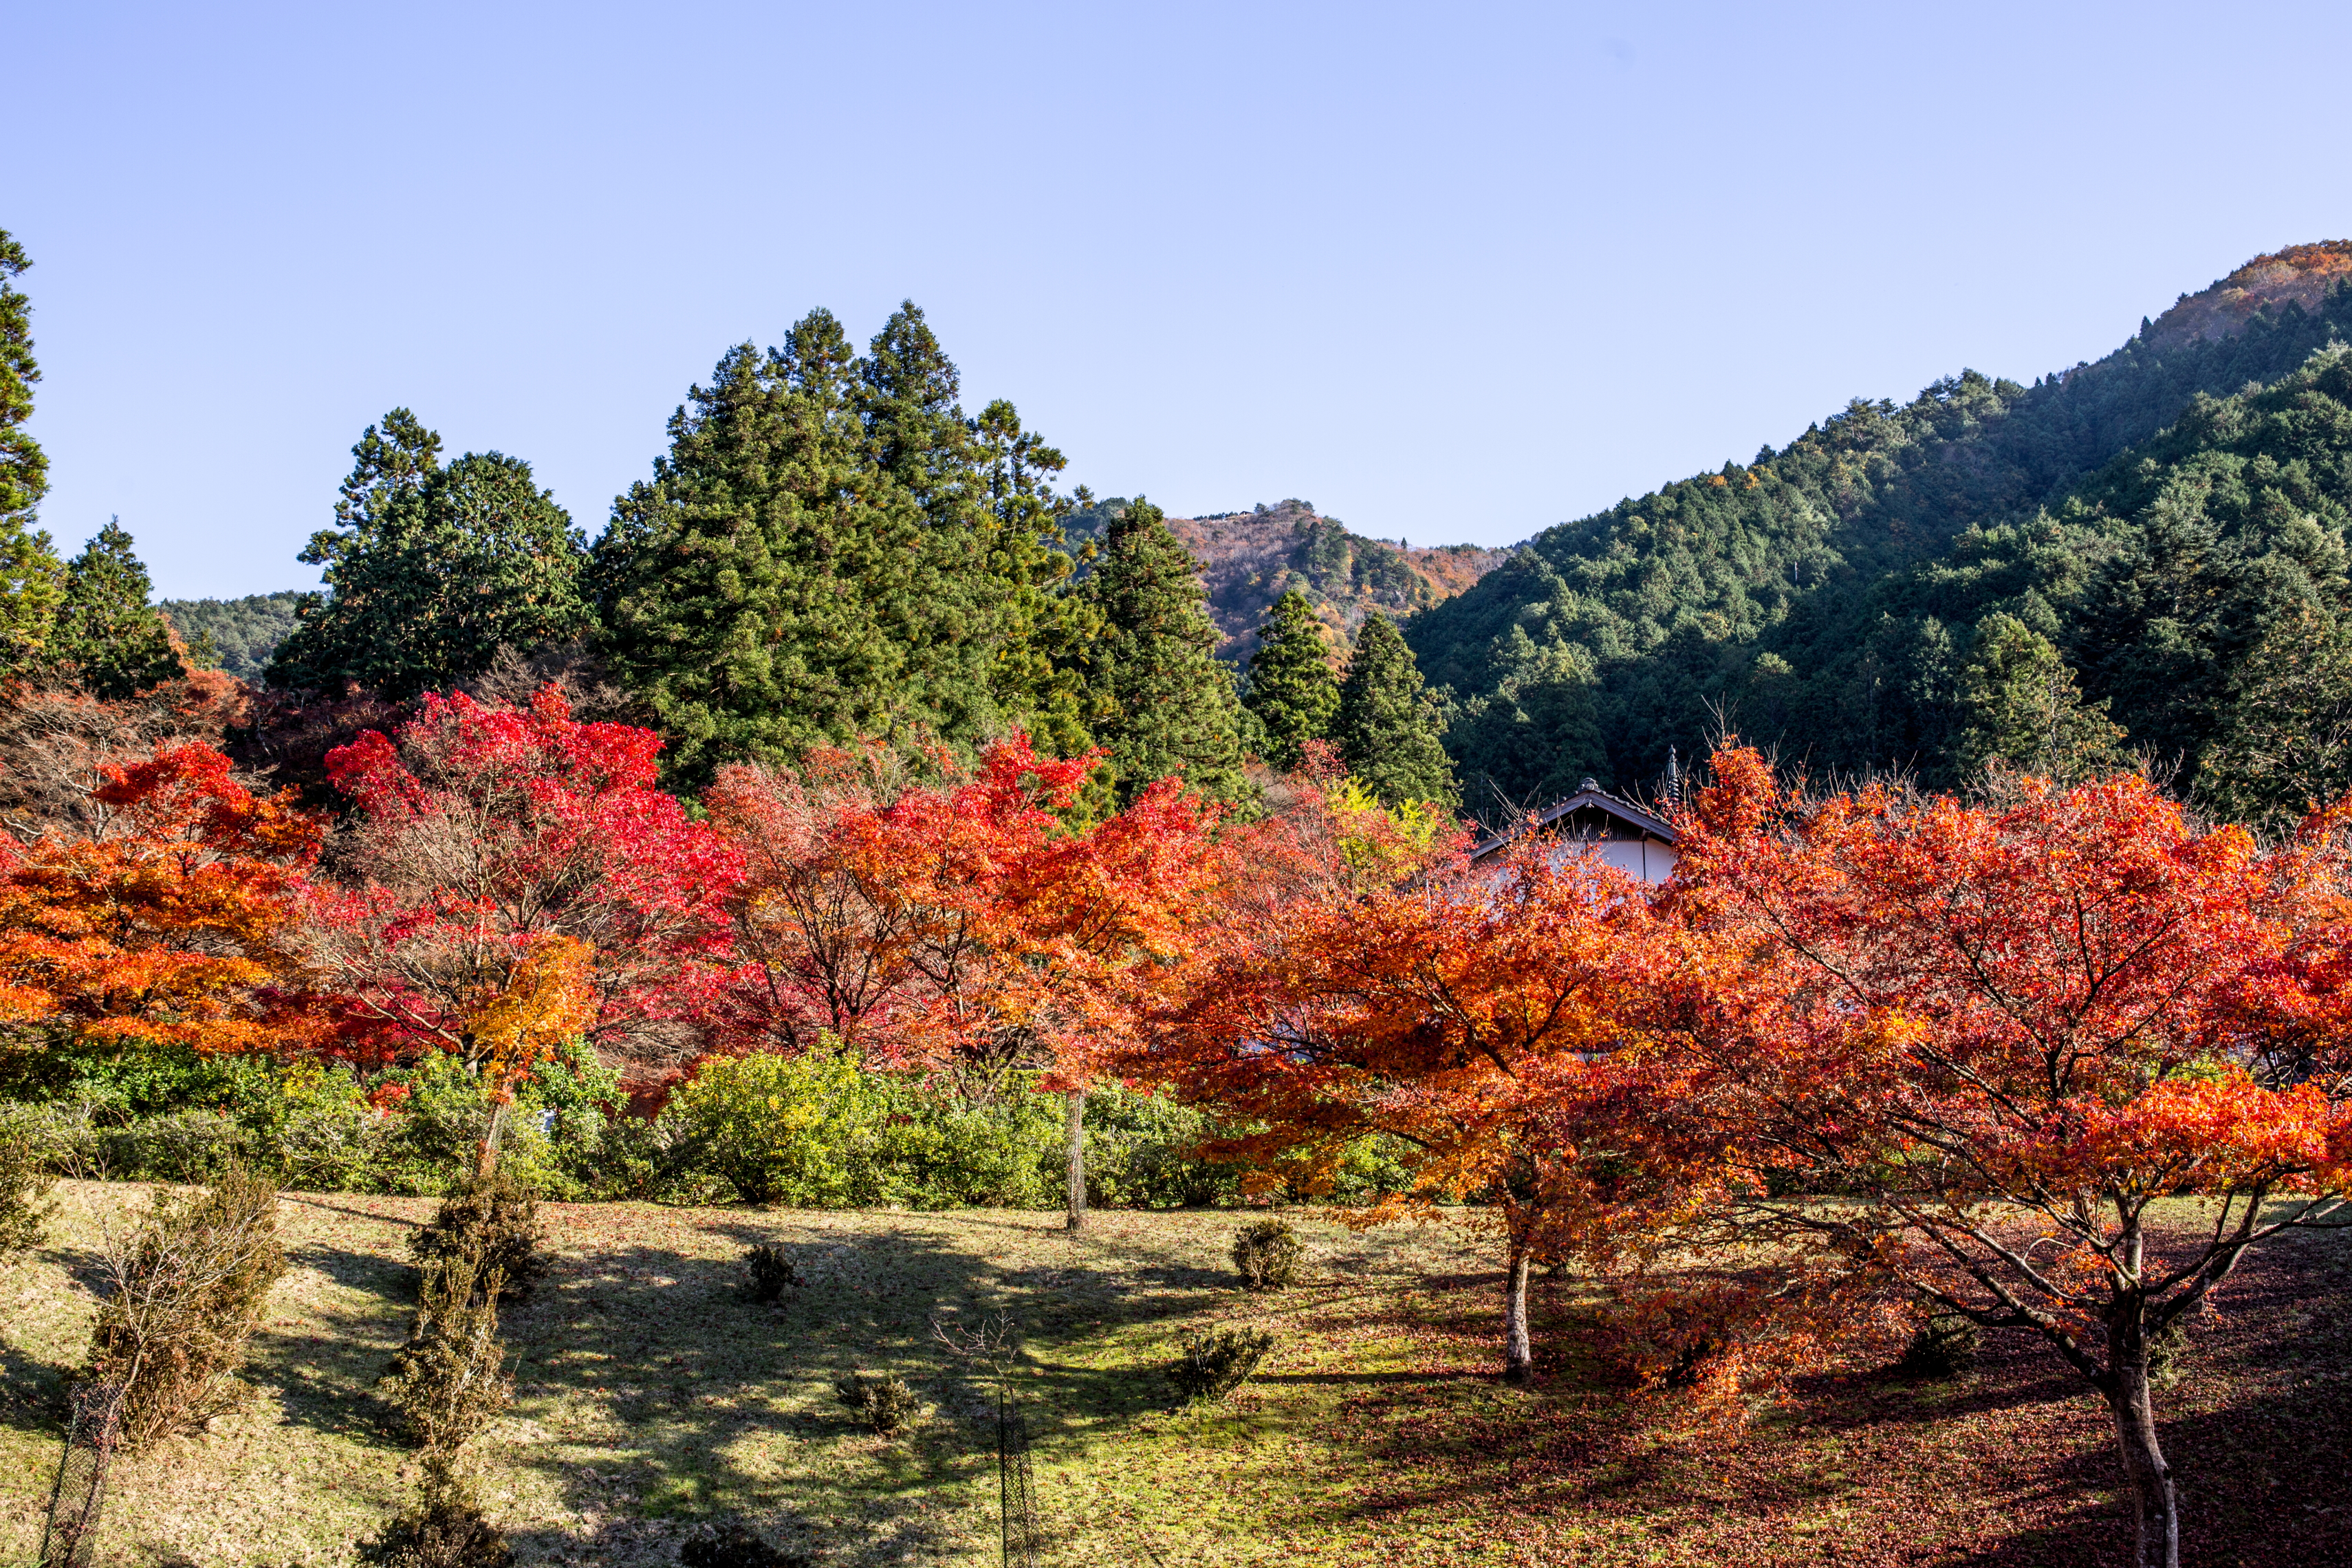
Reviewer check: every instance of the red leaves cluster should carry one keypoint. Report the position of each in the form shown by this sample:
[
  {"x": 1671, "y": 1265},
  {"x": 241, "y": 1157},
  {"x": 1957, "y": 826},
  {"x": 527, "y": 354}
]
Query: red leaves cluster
[{"x": 490, "y": 845}]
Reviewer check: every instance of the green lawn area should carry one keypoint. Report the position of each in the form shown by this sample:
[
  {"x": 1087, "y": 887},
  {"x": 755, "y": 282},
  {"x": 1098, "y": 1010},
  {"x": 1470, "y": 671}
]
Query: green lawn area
[{"x": 653, "y": 1395}]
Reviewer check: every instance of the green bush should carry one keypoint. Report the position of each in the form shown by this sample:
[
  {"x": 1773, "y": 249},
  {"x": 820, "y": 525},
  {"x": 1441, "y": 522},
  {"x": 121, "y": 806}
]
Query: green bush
[
  {"x": 1212, "y": 1364},
  {"x": 885, "y": 1403},
  {"x": 800, "y": 1131},
  {"x": 1267, "y": 1254},
  {"x": 23, "y": 1186},
  {"x": 815, "y": 1131}
]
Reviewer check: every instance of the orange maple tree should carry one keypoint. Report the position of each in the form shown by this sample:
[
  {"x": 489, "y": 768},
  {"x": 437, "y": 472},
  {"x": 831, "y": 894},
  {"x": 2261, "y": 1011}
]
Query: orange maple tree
[
  {"x": 171, "y": 917},
  {"x": 963, "y": 926},
  {"x": 1473, "y": 1016},
  {"x": 2004, "y": 1034}
]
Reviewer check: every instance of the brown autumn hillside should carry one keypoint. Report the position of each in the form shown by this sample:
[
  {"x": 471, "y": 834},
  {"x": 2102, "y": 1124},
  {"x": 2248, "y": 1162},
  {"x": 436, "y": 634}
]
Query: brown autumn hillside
[
  {"x": 1249, "y": 559},
  {"x": 2301, "y": 273}
]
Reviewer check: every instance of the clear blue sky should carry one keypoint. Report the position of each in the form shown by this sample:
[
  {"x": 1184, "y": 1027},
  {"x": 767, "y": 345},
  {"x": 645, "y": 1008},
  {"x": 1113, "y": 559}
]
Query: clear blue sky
[{"x": 1450, "y": 272}]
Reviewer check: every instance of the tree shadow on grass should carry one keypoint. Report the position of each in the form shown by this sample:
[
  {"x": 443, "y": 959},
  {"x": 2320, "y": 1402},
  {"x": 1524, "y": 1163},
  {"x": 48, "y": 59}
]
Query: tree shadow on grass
[{"x": 657, "y": 1387}]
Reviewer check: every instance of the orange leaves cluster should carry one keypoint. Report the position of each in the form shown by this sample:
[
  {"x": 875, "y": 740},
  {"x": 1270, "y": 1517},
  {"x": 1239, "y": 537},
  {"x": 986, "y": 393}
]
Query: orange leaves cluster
[
  {"x": 1478, "y": 1019},
  {"x": 175, "y": 922},
  {"x": 964, "y": 923},
  {"x": 548, "y": 999}
]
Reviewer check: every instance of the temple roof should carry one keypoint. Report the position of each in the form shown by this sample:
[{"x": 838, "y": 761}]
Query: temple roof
[{"x": 1590, "y": 812}]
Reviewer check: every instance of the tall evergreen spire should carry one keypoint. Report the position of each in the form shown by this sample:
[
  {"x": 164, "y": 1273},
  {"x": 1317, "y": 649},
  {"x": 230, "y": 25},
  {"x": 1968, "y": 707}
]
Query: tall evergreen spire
[
  {"x": 1386, "y": 730},
  {"x": 30, "y": 575},
  {"x": 1167, "y": 705},
  {"x": 108, "y": 639},
  {"x": 1292, "y": 690}
]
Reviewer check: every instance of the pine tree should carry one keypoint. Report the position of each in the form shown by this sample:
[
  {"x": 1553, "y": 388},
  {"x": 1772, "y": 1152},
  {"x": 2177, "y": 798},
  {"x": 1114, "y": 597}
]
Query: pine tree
[
  {"x": 1292, "y": 690},
  {"x": 430, "y": 570},
  {"x": 1386, "y": 730},
  {"x": 2284, "y": 744},
  {"x": 109, "y": 639},
  {"x": 1036, "y": 679},
  {"x": 773, "y": 587},
  {"x": 30, "y": 575},
  {"x": 1167, "y": 706},
  {"x": 2023, "y": 708}
]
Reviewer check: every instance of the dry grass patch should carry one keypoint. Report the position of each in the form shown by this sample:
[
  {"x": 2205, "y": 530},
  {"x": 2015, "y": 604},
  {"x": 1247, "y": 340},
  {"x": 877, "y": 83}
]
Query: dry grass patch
[{"x": 655, "y": 1397}]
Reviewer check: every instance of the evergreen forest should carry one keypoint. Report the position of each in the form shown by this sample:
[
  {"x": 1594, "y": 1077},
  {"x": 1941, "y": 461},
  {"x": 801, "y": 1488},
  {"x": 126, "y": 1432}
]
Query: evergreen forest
[{"x": 2142, "y": 557}]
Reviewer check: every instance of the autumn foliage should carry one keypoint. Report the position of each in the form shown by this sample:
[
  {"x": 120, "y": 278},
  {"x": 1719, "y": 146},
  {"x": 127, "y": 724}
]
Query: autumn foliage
[
  {"x": 2000, "y": 1033},
  {"x": 172, "y": 919},
  {"x": 963, "y": 925},
  {"x": 515, "y": 879}
]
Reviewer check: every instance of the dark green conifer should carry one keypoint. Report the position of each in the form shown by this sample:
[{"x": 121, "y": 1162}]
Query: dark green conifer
[
  {"x": 30, "y": 573},
  {"x": 1292, "y": 690},
  {"x": 1386, "y": 730},
  {"x": 1166, "y": 705},
  {"x": 771, "y": 587},
  {"x": 430, "y": 569},
  {"x": 1036, "y": 679},
  {"x": 109, "y": 639}
]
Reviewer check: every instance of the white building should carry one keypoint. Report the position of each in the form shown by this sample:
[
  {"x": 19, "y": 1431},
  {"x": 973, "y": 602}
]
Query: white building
[{"x": 1621, "y": 834}]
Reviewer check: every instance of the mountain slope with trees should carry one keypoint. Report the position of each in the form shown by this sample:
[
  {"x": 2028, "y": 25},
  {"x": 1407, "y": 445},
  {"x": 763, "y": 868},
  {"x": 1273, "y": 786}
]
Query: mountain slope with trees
[
  {"x": 1249, "y": 560},
  {"x": 1827, "y": 596}
]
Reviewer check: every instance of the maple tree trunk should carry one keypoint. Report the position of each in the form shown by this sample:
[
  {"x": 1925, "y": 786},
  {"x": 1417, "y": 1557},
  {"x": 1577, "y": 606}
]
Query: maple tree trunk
[
  {"x": 486, "y": 1154},
  {"x": 1077, "y": 1102},
  {"x": 1519, "y": 1348},
  {"x": 2156, "y": 1509}
]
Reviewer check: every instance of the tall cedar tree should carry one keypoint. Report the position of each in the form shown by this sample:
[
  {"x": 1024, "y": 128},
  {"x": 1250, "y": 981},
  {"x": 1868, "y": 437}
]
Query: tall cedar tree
[
  {"x": 1291, "y": 688},
  {"x": 29, "y": 571},
  {"x": 803, "y": 567},
  {"x": 1386, "y": 730},
  {"x": 1168, "y": 706},
  {"x": 109, "y": 639},
  {"x": 430, "y": 570},
  {"x": 1036, "y": 678}
]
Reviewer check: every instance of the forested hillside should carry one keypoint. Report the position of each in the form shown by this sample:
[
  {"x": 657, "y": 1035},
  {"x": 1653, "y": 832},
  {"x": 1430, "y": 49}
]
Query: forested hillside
[
  {"x": 1249, "y": 559},
  {"x": 238, "y": 635},
  {"x": 1926, "y": 585}
]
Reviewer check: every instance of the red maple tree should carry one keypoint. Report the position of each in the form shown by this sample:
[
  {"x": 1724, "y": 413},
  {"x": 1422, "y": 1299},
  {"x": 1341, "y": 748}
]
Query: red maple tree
[
  {"x": 963, "y": 926},
  {"x": 1473, "y": 1016},
  {"x": 509, "y": 861}
]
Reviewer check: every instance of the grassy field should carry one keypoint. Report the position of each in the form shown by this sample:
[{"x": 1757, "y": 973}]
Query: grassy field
[{"x": 653, "y": 1397}]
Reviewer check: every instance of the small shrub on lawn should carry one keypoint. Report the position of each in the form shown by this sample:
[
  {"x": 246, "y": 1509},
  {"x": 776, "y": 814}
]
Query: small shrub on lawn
[
  {"x": 1946, "y": 1345},
  {"x": 184, "y": 1294},
  {"x": 494, "y": 1221},
  {"x": 444, "y": 1528},
  {"x": 1213, "y": 1364},
  {"x": 450, "y": 1378},
  {"x": 1267, "y": 1254},
  {"x": 23, "y": 1186},
  {"x": 772, "y": 1274},
  {"x": 885, "y": 1403},
  {"x": 735, "y": 1546}
]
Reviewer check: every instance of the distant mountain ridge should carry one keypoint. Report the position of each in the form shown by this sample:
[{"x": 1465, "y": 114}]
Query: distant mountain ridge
[
  {"x": 1249, "y": 559},
  {"x": 1865, "y": 598}
]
